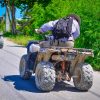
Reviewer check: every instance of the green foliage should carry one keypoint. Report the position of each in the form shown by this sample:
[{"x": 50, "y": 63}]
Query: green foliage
[
  {"x": 37, "y": 15},
  {"x": 2, "y": 26}
]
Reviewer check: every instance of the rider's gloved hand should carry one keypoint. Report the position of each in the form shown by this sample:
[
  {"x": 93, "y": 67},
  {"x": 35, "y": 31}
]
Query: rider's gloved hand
[{"x": 39, "y": 31}]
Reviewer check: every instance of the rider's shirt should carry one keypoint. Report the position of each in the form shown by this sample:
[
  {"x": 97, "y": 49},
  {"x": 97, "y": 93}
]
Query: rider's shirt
[{"x": 75, "y": 29}]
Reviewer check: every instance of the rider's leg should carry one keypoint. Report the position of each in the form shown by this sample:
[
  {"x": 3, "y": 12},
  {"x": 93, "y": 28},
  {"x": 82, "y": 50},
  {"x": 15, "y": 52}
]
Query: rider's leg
[
  {"x": 44, "y": 44},
  {"x": 49, "y": 43},
  {"x": 69, "y": 44}
]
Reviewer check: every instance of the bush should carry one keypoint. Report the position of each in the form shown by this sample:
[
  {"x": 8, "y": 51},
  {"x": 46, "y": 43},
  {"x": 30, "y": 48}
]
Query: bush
[{"x": 90, "y": 27}]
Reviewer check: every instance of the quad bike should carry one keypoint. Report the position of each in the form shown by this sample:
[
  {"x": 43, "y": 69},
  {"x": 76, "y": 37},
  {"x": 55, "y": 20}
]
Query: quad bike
[
  {"x": 1, "y": 41},
  {"x": 55, "y": 64}
]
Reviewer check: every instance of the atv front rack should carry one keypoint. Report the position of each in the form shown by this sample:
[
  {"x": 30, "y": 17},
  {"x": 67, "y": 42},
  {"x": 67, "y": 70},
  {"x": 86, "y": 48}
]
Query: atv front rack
[{"x": 68, "y": 50}]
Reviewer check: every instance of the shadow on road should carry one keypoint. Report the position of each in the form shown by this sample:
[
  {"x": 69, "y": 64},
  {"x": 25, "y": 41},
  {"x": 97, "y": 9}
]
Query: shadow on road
[
  {"x": 20, "y": 84},
  {"x": 62, "y": 86},
  {"x": 29, "y": 85}
]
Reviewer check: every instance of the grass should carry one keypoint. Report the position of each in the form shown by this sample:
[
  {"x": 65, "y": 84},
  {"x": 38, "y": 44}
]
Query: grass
[{"x": 21, "y": 39}]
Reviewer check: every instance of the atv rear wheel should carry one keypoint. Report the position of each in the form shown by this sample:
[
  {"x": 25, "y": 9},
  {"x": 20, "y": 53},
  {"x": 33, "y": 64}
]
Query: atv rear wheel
[
  {"x": 83, "y": 77},
  {"x": 45, "y": 76},
  {"x": 24, "y": 72}
]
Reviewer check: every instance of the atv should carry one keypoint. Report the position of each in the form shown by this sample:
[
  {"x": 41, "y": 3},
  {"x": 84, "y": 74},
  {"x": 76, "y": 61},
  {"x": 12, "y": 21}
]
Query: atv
[
  {"x": 1, "y": 41},
  {"x": 56, "y": 64}
]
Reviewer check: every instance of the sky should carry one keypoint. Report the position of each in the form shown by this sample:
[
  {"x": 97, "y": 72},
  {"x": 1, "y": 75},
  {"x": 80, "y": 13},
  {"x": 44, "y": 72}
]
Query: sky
[
  {"x": 18, "y": 15},
  {"x": 2, "y": 11}
]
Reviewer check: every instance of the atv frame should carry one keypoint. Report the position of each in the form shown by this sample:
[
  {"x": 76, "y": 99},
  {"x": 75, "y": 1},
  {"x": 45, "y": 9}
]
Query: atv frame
[{"x": 55, "y": 64}]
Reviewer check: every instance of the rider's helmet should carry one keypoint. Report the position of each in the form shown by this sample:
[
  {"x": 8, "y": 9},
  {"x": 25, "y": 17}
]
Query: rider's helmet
[{"x": 76, "y": 17}]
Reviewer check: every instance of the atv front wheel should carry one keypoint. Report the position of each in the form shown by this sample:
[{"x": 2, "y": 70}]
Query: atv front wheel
[
  {"x": 24, "y": 72},
  {"x": 83, "y": 77},
  {"x": 45, "y": 76}
]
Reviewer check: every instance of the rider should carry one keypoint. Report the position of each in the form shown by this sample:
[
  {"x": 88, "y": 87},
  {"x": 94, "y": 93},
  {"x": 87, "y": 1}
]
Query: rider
[{"x": 65, "y": 42}]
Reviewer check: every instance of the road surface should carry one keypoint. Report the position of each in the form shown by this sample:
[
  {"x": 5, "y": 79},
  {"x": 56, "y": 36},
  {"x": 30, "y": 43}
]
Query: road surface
[{"x": 12, "y": 87}]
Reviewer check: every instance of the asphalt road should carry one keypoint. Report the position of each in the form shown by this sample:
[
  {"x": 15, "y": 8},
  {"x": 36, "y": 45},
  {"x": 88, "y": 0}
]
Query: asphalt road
[{"x": 12, "y": 87}]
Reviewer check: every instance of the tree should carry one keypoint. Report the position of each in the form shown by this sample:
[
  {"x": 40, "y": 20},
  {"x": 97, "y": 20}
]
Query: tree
[
  {"x": 10, "y": 4},
  {"x": 24, "y": 5}
]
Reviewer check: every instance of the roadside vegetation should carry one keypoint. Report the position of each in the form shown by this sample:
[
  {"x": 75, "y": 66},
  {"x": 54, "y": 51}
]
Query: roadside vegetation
[
  {"x": 41, "y": 12},
  {"x": 2, "y": 25}
]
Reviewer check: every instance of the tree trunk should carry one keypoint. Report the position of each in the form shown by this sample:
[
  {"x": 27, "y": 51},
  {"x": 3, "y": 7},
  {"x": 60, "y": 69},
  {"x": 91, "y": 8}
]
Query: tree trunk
[{"x": 13, "y": 18}]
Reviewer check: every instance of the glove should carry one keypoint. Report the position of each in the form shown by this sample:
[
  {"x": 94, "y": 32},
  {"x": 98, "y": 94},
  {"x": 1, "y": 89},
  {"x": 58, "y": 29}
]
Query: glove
[{"x": 38, "y": 31}]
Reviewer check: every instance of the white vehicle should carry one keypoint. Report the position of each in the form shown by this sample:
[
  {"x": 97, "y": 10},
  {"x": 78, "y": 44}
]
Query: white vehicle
[{"x": 1, "y": 41}]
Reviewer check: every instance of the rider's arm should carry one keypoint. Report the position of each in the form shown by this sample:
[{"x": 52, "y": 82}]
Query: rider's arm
[
  {"x": 47, "y": 26},
  {"x": 75, "y": 29}
]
